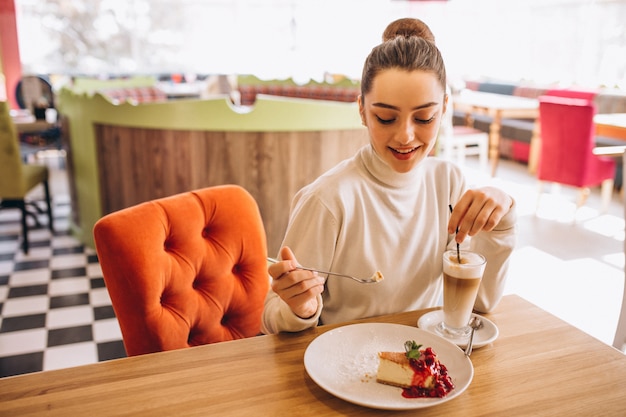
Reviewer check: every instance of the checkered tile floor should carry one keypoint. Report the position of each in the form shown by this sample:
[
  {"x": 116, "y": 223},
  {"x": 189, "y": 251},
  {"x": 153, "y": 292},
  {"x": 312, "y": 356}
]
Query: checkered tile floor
[{"x": 55, "y": 311}]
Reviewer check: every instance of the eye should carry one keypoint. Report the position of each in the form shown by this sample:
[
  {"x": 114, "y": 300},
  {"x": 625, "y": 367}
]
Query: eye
[
  {"x": 385, "y": 121},
  {"x": 425, "y": 121}
]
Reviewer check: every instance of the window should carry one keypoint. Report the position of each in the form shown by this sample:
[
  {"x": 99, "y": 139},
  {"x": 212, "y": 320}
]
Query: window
[{"x": 545, "y": 41}]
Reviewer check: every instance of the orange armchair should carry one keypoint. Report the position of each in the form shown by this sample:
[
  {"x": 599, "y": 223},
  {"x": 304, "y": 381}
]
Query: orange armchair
[{"x": 185, "y": 270}]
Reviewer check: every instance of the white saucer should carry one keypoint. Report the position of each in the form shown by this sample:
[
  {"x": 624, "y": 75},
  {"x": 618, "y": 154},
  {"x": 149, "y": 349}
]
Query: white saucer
[{"x": 487, "y": 334}]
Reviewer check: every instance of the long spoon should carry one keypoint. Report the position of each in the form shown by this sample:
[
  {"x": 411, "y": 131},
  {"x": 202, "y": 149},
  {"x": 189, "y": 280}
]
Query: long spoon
[
  {"x": 458, "y": 250},
  {"x": 475, "y": 323}
]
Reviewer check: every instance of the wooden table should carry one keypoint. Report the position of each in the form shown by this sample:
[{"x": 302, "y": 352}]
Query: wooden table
[
  {"x": 539, "y": 366},
  {"x": 497, "y": 106},
  {"x": 612, "y": 125},
  {"x": 32, "y": 126}
]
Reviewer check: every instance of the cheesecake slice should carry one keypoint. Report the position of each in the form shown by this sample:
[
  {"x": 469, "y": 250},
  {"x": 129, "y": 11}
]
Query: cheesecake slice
[{"x": 417, "y": 371}]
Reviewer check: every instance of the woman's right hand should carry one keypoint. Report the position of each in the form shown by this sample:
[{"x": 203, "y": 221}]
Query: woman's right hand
[{"x": 298, "y": 288}]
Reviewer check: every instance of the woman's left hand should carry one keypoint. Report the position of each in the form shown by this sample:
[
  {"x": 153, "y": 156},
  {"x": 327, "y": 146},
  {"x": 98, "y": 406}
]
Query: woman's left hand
[{"x": 478, "y": 209}]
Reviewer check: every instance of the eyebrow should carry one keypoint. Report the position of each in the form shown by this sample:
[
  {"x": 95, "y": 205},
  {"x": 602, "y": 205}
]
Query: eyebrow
[{"x": 389, "y": 106}]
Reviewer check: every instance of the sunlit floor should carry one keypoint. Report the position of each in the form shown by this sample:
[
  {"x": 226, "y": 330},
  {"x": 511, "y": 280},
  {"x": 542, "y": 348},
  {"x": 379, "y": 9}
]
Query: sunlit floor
[{"x": 569, "y": 262}]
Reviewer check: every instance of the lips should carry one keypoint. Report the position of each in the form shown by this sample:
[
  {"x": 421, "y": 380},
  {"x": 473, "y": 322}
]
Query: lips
[{"x": 403, "y": 153}]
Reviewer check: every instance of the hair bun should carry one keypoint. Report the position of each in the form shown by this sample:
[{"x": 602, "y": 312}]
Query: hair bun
[{"x": 408, "y": 27}]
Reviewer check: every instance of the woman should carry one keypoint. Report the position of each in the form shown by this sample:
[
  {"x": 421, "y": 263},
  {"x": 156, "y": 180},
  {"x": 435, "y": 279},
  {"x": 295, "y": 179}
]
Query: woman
[{"x": 387, "y": 208}]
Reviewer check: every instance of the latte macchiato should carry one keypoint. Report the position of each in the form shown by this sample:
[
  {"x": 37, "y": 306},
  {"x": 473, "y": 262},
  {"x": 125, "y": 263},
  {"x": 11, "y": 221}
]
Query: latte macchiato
[{"x": 460, "y": 287}]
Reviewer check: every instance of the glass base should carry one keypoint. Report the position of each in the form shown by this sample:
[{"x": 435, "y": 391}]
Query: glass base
[{"x": 452, "y": 332}]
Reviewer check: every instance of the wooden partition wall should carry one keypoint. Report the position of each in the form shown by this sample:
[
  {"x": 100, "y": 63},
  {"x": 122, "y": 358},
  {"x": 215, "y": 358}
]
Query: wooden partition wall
[
  {"x": 140, "y": 164},
  {"x": 124, "y": 153}
]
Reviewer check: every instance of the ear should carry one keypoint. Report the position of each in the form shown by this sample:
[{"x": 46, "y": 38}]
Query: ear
[{"x": 361, "y": 110}]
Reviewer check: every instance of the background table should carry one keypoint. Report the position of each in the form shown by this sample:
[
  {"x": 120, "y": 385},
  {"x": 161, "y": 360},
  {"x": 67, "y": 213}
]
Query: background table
[
  {"x": 498, "y": 106},
  {"x": 612, "y": 125},
  {"x": 34, "y": 126}
]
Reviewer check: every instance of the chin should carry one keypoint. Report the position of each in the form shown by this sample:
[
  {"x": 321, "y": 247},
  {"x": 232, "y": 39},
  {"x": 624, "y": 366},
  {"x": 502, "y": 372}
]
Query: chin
[{"x": 404, "y": 169}]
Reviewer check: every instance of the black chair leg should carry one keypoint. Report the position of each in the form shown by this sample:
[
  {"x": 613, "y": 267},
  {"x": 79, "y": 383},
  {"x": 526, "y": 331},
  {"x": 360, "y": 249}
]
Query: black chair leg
[
  {"x": 49, "y": 204},
  {"x": 22, "y": 206}
]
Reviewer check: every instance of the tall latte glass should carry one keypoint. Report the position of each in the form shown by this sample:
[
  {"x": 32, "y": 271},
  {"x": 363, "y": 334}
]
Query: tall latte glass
[{"x": 460, "y": 287}]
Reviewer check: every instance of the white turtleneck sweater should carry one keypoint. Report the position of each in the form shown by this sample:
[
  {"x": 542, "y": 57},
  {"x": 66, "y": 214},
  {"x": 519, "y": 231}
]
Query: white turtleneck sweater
[{"x": 361, "y": 217}]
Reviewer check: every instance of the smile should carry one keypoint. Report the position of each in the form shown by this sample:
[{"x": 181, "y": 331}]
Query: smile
[{"x": 404, "y": 151}]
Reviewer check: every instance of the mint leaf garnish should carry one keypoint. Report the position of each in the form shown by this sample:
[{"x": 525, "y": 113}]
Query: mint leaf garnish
[{"x": 412, "y": 349}]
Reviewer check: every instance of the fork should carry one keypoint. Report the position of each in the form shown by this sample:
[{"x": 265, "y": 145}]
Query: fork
[{"x": 375, "y": 278}]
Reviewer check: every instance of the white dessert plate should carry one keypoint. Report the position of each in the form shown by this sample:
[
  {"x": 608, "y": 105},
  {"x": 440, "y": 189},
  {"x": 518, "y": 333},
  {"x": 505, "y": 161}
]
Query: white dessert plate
[
  {"x": 344, "y": 362},
  {"x": 483, "y": 336}
]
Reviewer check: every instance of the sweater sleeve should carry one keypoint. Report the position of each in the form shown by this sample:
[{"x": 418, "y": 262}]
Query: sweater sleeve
[
  {"x": 497, "y": 247},
  {"x": 278, "y": 317},
  {"x": 311, "y": 234}
]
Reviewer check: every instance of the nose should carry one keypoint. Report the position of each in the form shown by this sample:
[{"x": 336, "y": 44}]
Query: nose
[{"x": 407, "y": 134}]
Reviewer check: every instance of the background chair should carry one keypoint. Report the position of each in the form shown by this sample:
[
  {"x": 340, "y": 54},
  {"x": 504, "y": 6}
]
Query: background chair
[
  {"x": 619, "y": 342},
  {"x": 185, "y": 270},
  {"x": 466, "y": 141},
  {"x": 17, "y": 179},
  {"x": 620, "y": 333},
  {"x": 567, "y": 143},
  {"x": 457, "y": 142},
  {"x": 35, "y": 94}
]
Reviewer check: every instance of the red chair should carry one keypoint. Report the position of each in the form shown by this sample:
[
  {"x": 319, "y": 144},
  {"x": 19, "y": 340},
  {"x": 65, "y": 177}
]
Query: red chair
[
  {"x": 567, "y": 142},
  {"x": 185, "y": 270},
  {"x": 572, "y": 93}
]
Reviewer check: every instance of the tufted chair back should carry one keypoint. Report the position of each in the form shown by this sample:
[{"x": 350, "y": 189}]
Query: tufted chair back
[{"x": 185, "y": 270}]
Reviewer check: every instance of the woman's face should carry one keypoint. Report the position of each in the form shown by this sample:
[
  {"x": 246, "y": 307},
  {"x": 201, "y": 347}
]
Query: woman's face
[{"x": 402, "y": 113}]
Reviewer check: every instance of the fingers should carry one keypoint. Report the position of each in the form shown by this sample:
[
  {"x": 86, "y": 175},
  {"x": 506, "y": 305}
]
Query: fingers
[
  {"x": 288, "y": 264},
  {"x": 287, "y": 253},
  {"x": 298, "y": 284},
  {"x": 298, "y": 288},
  {"x": 478, "y": 210}
]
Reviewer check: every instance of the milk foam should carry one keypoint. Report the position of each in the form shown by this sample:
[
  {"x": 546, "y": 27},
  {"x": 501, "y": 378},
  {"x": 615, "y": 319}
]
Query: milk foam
[{"x": 471, "y": 265}]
